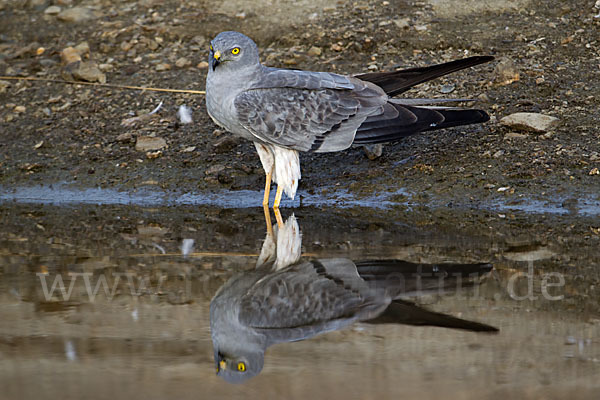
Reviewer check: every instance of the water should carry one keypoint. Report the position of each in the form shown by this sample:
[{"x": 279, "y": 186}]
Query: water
[{"x": 132, "y": 320}]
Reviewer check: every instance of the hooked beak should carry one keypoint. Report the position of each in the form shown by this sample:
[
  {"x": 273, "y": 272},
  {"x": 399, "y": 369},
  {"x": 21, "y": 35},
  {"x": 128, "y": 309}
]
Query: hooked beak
[
  {"x": 220, "y": 361},
  {"x": 215, "y": 59}
]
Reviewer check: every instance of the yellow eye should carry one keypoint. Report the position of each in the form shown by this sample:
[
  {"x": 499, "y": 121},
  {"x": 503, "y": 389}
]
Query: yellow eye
[
  {"x": 235, "y": 50},
  {"x": 241, "y": 366}
]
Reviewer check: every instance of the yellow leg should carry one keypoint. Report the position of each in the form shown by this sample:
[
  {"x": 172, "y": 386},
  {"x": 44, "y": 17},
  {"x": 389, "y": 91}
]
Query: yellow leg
[
  {"x": 267, "y": 190},
  {"x": 268, "y": 220},
  {"x": 278, "y": 217},
  {"x": 278, "y": 197}
]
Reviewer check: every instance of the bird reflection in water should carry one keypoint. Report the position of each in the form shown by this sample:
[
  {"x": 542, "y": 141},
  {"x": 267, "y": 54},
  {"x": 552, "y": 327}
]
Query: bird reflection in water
[{"x": 286, "y": 299}]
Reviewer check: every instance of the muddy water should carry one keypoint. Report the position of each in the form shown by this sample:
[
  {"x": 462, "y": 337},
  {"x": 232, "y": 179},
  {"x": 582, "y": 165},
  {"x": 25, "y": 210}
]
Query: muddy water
[{"x": 112, "y": 301}]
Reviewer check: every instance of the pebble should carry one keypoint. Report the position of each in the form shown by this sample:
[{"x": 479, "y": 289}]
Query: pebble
[
  {"x": 150, "y": 143},
  {"x": 447, "y": 89},
  {"x": 69, "y": 55},
  {"x": 373, "y": 151},
  {"x": 202, "y": 65},
  {"x": 3, "y": 86},
  {"x": 506, "y": 72},
  {"x": 52, "y": 10},
  {"x": 163, "y": 67},
  {"x": 153, "y": 154},
  {"x": 532, "y": 122},
  {"x": 76, "y": 14},
  {"x": 125, "y": 137},
  {"x": 20, "y": 109},
  {"x": 82, "y": 48},
  {"x": 402, "y": 23},
  {"x": 182, "y": 62},
  {"x": 225, "y": 143},
  {"x": 515, "y": 135},
  {"x": 88, "y": 71},
  {"x": 314, "y": 51}
]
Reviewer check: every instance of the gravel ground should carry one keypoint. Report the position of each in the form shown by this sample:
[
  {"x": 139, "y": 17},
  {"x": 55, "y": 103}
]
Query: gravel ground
[{"x": 548, "y": 61}]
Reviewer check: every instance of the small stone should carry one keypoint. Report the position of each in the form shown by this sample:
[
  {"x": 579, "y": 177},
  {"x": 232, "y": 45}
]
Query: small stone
[
  {"x": 69, "y": 55},
  {"x": 189, "y": 149},
  {"x": 38, "y": 145},
  {"x": 163, "y": 67},
  {"x": 106, "y": 67},
  {"x": 182, "y": 62},
  {"x": 314, "y": 51},
  {"x": 76, "y": 14},
  {"x": 336, "y": 47},
  {"x": 202, "y": 65},
  {"x": 402, "y": 23},
  {"x": 83, "y": 48},
  {"x": 447, "y": 89},
  {"x": 215, "y": 169},
  {"x": 373, "y": 151},
  {"x": 594, "y": 171},
  {"x": 52, "y": 10},
  {"x": 514, "y": 135},
  {"x": 373, "y": 67},
  {"x": 225, "y": 143},
  {"x": 421, "y": 28},
  {"x": 3, "y": 86},
  {"x": 532, "y": 122},
  {"x": 125, "y": 137},
  {"x": 126, "y": 45},
  {"x": 153, "y": 154},
  {"x": 506, "y": 72},
  {"x": 20, "y": 109},
  {"x": 150, "y": 143},
  {"x": 87, "y": 71},
  {"x": 498, "y": 154}
]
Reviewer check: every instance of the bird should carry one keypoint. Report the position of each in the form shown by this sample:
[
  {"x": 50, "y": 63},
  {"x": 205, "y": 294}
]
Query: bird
[
  {"x": 286, "y": 111},
  {"x": 285, "y": 299}
]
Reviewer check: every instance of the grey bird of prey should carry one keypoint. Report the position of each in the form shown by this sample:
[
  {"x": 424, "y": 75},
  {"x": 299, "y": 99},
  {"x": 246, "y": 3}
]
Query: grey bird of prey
[
  {"x": 292, "y": 300},
  {"x": 287, "y": 111}
]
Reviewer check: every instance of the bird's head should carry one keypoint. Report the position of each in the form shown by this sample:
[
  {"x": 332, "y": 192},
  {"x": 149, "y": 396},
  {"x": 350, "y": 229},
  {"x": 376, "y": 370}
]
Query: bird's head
[
  {"x": 232, "y": 50},
  {"x": 240, "y": 367}
]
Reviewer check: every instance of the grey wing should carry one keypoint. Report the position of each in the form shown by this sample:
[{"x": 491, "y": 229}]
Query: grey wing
[
  {"x": 303, "y": 295},
  {"x": 318, "y": 120}
]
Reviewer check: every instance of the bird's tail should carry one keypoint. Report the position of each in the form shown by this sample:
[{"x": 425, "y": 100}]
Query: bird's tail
[
  {"x": 402, "y": 279},
  {"x": 403, "y": 118},
  {"x": 396, "y": 82},
  {"x": 407, "y": 313},
  {"x": 410, "y": 120}
]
